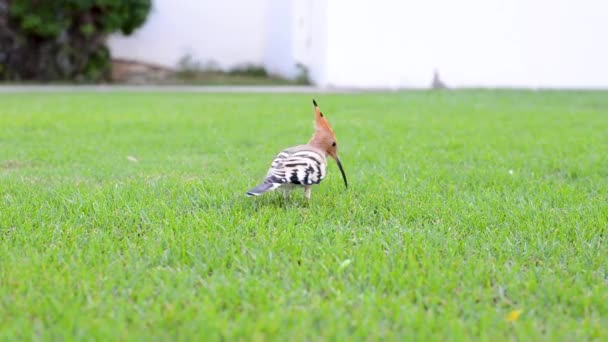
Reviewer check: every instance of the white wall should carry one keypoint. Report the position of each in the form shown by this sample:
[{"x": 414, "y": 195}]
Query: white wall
[
  {"x": 228, "y": 31},
  {"x": 296, "y": 33},
  {"x": 311, "y": 38},
  {"x": 279, "y": 29},
  {"x": 549, "y": 43},
  {"x": 388, "y": 43}
]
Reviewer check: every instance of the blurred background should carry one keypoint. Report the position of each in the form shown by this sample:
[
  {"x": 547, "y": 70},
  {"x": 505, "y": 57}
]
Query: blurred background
[{"x": 325, "y": 43}]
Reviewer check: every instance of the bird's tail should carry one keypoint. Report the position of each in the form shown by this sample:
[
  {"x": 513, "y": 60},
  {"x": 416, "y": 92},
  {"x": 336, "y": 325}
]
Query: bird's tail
[{"x": 262, "y": 188}]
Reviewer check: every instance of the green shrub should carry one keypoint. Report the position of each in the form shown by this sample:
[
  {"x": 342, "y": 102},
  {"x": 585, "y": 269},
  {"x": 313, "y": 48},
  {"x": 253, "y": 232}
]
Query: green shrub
[{"x": 54, "y": 40}]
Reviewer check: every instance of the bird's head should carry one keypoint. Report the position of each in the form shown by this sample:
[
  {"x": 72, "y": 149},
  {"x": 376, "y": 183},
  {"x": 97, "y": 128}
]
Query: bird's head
[{"x": 325, "y": 138}]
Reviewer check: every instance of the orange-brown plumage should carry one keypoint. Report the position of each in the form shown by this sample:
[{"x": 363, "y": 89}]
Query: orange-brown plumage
[
  {"x": 321, "y": 121},
  {"x": 324, "y": 137}
]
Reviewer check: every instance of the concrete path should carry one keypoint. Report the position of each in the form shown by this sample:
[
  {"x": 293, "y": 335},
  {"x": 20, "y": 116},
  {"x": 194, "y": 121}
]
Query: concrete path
[{"x": 179, "y": 88}]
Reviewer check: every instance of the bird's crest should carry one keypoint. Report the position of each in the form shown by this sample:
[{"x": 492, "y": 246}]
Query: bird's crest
[{"x": 321, "y": 122}]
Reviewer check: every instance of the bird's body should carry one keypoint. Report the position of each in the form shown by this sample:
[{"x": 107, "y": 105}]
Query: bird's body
[
  {"x": 297, "y": 166},
  {"x": 302, "y": 165}
]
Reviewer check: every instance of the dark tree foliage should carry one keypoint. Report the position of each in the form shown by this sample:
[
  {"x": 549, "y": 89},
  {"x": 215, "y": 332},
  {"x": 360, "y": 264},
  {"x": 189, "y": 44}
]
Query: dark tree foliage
[{"x": 55, "y": 40}]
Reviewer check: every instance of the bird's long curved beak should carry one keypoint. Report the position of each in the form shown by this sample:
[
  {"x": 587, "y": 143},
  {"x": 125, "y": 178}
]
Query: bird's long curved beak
[{"x": 342, "y": 171}]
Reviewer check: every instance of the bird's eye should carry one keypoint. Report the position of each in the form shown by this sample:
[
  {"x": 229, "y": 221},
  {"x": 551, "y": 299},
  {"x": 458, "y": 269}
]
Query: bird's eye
[{"x": 333, "y": 144}]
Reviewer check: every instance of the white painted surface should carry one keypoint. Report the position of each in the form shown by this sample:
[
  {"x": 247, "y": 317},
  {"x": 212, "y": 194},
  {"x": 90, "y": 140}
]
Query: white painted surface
[
  {"x": 279, "y": 57},
  {"x": 296, "y": 35},
  {"x": 554, "y": 43},
  {"x": 389, "y": 43},
  {"x": 229, "y": 32}
]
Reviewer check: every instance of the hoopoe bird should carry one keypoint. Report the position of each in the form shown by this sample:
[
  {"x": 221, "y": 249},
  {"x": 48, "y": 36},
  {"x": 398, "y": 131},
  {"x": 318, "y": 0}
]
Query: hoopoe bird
[{"x": 303, "y": 165}]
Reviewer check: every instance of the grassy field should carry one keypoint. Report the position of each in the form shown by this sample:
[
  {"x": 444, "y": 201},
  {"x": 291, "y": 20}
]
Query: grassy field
[{"x": 470, "y": 215}]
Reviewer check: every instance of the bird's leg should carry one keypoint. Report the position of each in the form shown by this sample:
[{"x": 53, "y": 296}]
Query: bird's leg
[
  {"x": 286, "y": 194},
  {"x": 307, "y": 191}
]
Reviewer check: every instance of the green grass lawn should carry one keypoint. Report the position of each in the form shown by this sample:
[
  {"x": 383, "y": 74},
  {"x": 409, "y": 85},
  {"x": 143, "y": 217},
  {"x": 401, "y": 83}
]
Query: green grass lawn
[{"x": 124, "y": 216}]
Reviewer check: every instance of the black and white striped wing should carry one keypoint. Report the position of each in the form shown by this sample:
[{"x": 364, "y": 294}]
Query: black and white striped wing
[{"x": 302, "y": 167}]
